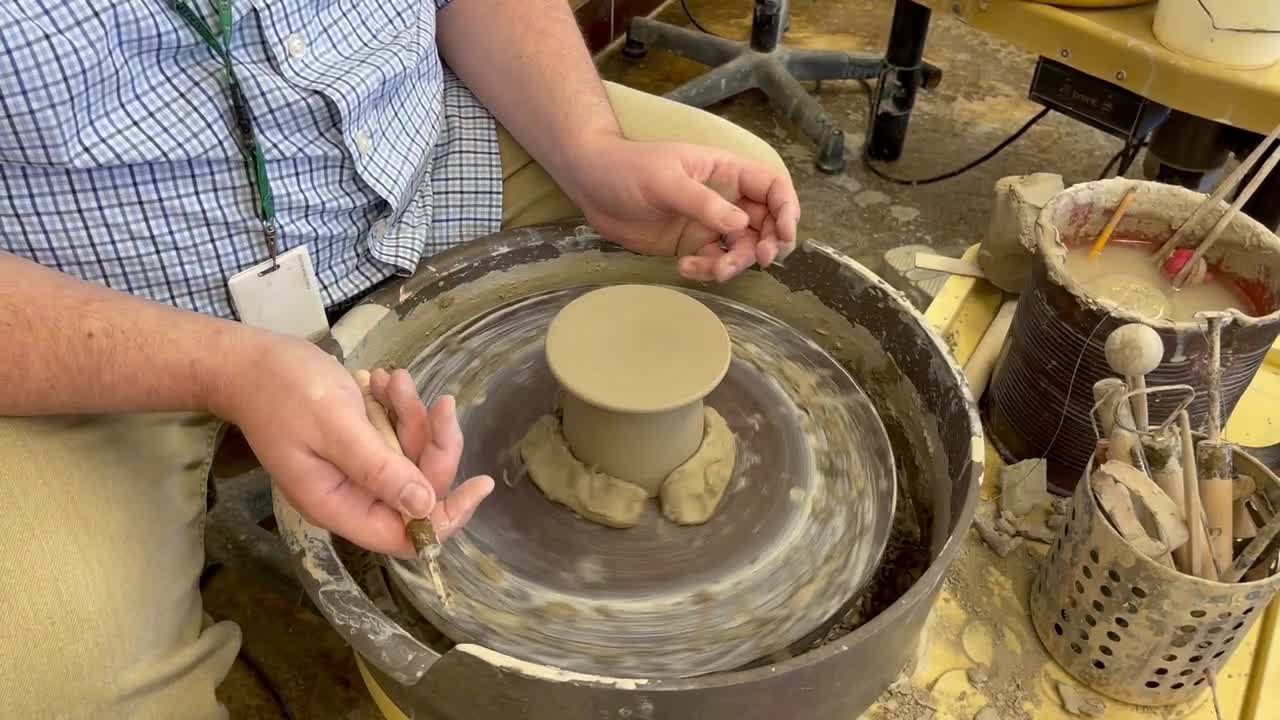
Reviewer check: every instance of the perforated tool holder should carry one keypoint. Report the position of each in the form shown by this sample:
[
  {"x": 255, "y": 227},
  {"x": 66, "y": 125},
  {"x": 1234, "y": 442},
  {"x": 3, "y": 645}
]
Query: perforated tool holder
[{"x": 1129, "y": 627}]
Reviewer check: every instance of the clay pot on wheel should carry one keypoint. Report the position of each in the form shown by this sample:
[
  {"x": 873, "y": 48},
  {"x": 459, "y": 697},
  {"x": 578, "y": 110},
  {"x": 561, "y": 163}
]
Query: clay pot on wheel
[{"x": 635, "y": 362}]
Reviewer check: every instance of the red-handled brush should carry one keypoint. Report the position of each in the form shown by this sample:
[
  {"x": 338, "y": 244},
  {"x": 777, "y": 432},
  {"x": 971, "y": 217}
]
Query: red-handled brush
[{"x": 1179, "y": 260}]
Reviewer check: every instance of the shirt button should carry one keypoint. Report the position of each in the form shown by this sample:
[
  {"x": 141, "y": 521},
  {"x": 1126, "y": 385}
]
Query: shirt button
[
  {"x": 363, "y": 142},
  {"x": 379, "y": 229},
  {"x": 296, "y": 45}
]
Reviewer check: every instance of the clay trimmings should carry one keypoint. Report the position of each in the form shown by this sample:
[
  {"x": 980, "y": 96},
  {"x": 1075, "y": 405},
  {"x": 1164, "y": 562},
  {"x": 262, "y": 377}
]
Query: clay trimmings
[
  {"x": 563, "y": 479},
  {"x": 690, "y": 494}
]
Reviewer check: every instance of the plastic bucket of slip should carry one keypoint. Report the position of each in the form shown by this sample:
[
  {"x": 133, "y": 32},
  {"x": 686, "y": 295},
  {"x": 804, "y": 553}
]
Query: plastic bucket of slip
[
  {"x": 1236, "y": 33},
  {"x": 1041, "y": 392}
]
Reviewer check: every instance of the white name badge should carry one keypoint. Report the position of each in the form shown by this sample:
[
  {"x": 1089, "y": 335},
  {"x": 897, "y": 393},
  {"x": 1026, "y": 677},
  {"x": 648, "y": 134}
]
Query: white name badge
[{"x": 283, "y": 299}]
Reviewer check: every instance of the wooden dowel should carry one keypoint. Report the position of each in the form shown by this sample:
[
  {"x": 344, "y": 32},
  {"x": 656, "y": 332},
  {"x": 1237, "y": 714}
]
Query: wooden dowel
[
  {"x": 1198, "y": 548},
  {"x": 1214, "y": 321},
  {"x": 1227, "y": 217},
  {"x": 980, "y": 365},
  {"x": 1214, "y": 463},
  {"x": 1219, "y": 193},
  {"x": 949, "y": 265},
  {"x": 1164, "y": 457}
]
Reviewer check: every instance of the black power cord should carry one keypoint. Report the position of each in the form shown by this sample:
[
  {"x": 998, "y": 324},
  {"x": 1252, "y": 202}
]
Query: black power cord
[
  {"x": 265, "y": 681},
  {"x": 914, "y": 182},
  {"x": 689, "y": 14},
  {"x": 1125, "y": 157}
]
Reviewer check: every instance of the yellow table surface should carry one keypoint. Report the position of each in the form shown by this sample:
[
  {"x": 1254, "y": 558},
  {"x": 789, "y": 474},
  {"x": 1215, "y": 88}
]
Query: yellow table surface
[
  {"x": 1117, "y": 45},
  {"x": 987, "y": 608}
]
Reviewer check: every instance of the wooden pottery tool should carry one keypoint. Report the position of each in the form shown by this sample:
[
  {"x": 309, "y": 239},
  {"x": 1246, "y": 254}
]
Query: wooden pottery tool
[
  {"x": 982, "y": 362},
  {"x": 1117, "y": 421},
  {"x": 1225, "y": 219},
  {"x": 421, "y": 532},
  {"x": 1256, "y": 558},
  {"x": 1105, "y": 236},
  {"x": 949, "y": 265},
  {"x": 1228, "y": 184},
  {"x": 1134, "y": 350},
  {"x": 1251, "y": 553},
  {"x": 1117, "y": 504},
  {"x": 1242, "y": 497},
  {"x": 1262, "y": 569},
  {"x": 1215, "y": 502},
  {"x": 1214, "y": 456},
  {"x": 1106, "y": 399},
  {"x": 1163, "y": 452},
  {"x": 1170, "y": 529},
  {"x": 1197, "y": 556}
]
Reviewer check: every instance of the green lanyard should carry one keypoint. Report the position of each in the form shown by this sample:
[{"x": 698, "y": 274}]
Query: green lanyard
[{"x": 257, "y": 164}]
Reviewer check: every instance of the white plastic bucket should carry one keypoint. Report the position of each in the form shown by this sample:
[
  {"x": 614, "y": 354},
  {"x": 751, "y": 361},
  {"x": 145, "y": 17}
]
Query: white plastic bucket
[{"x": 1236, "y": 33}]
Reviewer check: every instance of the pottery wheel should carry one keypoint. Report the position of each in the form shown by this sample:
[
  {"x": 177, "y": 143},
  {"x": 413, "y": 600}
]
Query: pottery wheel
[{"x": 794, "y": 539}]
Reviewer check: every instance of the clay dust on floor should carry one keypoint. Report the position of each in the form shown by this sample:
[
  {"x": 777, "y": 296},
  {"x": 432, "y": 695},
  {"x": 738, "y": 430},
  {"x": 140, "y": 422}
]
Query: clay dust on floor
[{"x": 981, "y": 100}]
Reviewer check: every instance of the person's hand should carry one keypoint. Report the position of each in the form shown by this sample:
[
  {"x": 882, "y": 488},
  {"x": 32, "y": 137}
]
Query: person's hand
[
  {"x": 719, "y": 213},
  {"x": 304, "y": 416}
]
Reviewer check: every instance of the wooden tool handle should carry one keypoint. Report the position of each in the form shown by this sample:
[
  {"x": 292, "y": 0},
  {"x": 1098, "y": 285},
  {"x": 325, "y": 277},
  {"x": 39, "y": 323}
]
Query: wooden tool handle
[
  {"x": 421, "y": 532},
  {"x": 375, "y": 412},
  {"x": 1106, "y": 396},
  {"x": 949, "y": 265},
  {"x": 1164, "y": 457},
  {"x": 1245, "y": 195},
  {"x": 1141, "y": 416},
  {"x": 1199, "y": 562},
  {"x": 1253, "y": 551},
  {"x": 1219, "y": 194},
  {"x": 1124, "y": 443},
  {"x": 1214, "y": 463}
]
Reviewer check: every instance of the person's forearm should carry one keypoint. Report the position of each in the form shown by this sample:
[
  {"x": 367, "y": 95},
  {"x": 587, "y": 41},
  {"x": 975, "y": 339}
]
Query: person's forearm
[
  {"x": 526, "y": 61},
  {"x": 71, "y": 347}
]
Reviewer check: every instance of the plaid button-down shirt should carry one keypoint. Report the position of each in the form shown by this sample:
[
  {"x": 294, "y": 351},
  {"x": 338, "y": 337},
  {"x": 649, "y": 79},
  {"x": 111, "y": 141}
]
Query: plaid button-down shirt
[{"x": 119, "y": 160}]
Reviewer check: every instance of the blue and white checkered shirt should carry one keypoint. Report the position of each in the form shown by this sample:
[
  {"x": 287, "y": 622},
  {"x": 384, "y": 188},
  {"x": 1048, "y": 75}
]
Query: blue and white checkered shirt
[{"x": 119, "y": 159}]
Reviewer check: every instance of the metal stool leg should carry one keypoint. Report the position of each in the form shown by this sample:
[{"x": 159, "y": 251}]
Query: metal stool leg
[
  {"x": 720, "y": 83},
  {"x": 904, "y": 75},
  {"x": 700, "y": 47},
  {"x": 764, "y": 63},
  {"x": 789, "y": 96}
]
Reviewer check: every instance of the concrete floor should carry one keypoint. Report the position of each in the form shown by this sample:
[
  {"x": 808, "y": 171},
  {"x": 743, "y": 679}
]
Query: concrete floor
[{"x": 981, "y": 100}]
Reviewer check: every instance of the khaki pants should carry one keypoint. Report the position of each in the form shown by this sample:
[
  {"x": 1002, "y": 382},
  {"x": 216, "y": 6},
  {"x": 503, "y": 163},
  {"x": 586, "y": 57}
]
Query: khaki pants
[{"x": 102, "y": 518}]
